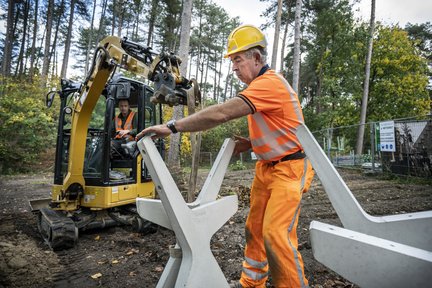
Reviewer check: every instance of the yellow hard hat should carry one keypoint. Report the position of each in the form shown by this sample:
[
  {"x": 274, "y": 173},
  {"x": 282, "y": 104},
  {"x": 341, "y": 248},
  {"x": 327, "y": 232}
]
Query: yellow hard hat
[{"x": 244, "y": 37}]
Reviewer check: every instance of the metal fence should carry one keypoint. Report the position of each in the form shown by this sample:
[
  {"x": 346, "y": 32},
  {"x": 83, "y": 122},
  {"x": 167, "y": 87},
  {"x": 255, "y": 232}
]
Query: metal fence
[{"x": 405, "y": 148}]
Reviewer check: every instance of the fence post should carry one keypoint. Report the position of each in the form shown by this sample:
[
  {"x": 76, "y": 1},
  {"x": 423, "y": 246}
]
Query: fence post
[
  {"x": 373, "y": 145},
  {"x": 329, "y": 140}
]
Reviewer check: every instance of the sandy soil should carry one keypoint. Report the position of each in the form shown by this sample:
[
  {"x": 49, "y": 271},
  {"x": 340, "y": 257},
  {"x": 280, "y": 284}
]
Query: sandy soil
[{"x": 119, "y": 257}]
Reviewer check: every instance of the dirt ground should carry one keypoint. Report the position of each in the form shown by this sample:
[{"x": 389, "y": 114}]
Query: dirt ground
[{"x": 118, "y": 257}]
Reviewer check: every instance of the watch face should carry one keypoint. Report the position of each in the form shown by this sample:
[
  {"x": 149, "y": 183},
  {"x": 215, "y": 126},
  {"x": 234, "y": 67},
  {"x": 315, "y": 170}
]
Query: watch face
[{"x": 171, "y": 125}]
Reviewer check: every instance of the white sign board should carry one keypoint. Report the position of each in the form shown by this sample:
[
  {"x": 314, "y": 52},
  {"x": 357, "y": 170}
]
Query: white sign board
[{"x": 387, "y": 136}]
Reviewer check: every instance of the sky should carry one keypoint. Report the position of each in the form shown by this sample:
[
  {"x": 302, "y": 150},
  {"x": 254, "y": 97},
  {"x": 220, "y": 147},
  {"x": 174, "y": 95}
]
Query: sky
[{"x": 386, "y": 11}]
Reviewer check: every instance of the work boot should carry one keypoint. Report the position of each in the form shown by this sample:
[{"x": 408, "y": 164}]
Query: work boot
[{"x": 236, "y": 285}]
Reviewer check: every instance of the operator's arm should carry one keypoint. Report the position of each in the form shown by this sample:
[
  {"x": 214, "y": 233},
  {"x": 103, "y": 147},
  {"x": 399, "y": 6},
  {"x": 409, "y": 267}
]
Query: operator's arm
[
  {"x": 205, "y": 119},
  {"x": 133, "y": 131}
]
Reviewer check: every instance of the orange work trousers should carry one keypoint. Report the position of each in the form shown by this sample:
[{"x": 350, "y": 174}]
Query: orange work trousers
[{"x": 271, "y": 226}]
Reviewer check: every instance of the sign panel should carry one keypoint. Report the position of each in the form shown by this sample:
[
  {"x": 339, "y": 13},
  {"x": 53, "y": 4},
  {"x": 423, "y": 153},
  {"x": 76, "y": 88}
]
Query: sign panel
[{"x": 387, "y": 136}]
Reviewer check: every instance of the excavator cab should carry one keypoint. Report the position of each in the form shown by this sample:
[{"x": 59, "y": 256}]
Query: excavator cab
[{"x": 104, "y": 166}]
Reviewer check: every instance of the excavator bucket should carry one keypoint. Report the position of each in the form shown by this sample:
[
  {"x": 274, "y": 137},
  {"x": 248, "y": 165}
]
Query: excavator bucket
[{"x": 38, "y": 204}]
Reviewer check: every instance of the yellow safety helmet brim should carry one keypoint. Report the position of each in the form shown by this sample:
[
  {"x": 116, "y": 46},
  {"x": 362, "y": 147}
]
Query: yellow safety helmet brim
[{"x": 243, "y": 38}]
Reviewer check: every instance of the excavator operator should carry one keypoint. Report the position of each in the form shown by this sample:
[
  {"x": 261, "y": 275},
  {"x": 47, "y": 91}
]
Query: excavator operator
[{"x": 124, "y": 127}]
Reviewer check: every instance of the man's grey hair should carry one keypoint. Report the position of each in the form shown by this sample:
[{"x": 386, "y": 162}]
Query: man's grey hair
[{"x": 262, "y": 52}]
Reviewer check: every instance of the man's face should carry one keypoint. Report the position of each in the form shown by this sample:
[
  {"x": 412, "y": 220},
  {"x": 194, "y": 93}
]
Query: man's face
[
  {"x": 124, "y": 107},
  {"x": 245, "y": 68}
]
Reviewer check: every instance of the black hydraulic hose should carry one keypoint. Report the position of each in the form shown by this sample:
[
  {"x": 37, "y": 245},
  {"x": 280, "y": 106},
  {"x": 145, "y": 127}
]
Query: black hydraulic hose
[{"x": 90, "y": 72}]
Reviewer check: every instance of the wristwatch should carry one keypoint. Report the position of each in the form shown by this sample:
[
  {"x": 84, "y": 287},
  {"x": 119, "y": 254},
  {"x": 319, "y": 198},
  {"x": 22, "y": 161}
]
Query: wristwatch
[{"x": 171, "y": 125}]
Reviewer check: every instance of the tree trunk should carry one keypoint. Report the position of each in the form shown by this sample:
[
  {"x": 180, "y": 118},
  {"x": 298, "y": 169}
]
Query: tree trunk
[
  {"x": 183, "y": 53},
  {"x": 120, "y": 11},
  {"x": 101, "y": 23},
  {"x": 90, "y": 38},
  {"x": 33, "y": 48},
  {"x": 68, "y": 41},
  {"x": 215, "y": 77},
  {"x": 360, "y": 133},
  {"x": 46, "y": 59},
  {"x": 7, "y": 52},
  {"x": 285, "y": 37},
  {"x": 219, "y": 75},
  {"x": 152, "y": 22},
  {"x": 296, "y": 60},
  {"x": 54, "y": 45},
  {"x": 206, "y": 75},
  {"x": 174, "y": 153},
  {"x": 20, "y": 63},
  {"x": 226, "y": 81},
  {"x": 276, "y": 35},
  {"x": 114, "y": 17}
]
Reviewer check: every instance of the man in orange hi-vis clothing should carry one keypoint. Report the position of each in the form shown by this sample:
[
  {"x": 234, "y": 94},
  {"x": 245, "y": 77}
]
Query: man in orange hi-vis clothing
[{"x": 283, "y": 173}]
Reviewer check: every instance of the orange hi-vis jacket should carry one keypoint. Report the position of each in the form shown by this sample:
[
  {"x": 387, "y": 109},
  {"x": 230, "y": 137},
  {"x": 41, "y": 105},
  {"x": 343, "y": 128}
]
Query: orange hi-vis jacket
[
  {"x": 277, "y": 114},
  {"x": 126, "y": 126}
]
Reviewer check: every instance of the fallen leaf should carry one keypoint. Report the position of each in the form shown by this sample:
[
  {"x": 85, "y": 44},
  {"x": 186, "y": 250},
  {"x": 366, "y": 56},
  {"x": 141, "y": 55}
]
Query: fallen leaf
[
  {"x": 132, "y": 251},
  {"x": 158, "y": 269},
  {"x": 96, "y": 276},
  {"x": 132, "y": 273},
  {"x": 114, "y": 261},
  {"x": 101, "y": 262},
  {"x": 97, "y": 238}
]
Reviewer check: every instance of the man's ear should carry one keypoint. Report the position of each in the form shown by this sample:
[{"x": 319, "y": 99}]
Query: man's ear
[{"x": 257, "y": 58}]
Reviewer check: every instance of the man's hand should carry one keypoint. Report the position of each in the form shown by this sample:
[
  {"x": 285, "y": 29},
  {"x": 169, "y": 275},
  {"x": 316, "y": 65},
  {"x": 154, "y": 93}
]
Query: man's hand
[
  {"x": 242, "y": 144},
  {"x": 123, "y": 133},
  {"x": 160, "y": 131}
]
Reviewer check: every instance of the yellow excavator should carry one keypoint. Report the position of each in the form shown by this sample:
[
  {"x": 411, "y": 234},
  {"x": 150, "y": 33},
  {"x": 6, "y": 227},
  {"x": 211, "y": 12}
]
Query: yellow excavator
[{"x": 92, "y": 187}]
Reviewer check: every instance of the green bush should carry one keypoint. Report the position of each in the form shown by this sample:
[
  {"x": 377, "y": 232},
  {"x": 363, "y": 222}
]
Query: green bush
[{"x": 27, "y": 127}]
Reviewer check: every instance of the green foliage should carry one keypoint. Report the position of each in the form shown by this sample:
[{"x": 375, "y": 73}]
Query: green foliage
[
  {"x": 238, "y": 165},
  {"x": 398, "y": 86},
  {"x": 333, "y": 71},
  {"x": 212, "y": 139},
  {"x": 27, "y": 127}
]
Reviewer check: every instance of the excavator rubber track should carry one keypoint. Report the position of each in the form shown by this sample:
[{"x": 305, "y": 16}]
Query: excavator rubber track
[{"x": 58, "y": 230}]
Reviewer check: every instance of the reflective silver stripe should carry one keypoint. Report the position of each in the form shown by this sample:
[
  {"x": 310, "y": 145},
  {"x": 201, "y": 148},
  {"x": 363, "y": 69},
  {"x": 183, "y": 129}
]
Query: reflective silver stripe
[
  {"x": 294, "y": 99},
  {"x": 293, "y": 219},
  {"x": 269, "y": 138},
  {"x": 254, "y": 275},
  {"x": 297, "y": 262},
  {"x": 274, "y": 134},
  {"x": 256, "y": 264}
]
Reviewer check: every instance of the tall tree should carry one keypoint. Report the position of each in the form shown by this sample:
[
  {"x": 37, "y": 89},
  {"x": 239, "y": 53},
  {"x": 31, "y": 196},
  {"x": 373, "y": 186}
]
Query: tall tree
[
  {"x": 399, "y": 77},
  {"x": 361, "y": 128},
  {"x": 59, "y": 17},
  {"x": 68, "y": 40},
  {"x": 7, "y": 53},
  {"x": 151, "y": 21},
  {"x": 20, "y": 62},
  {"x": 46, "y": 59},
  {"x": 101, "y": 29},
  {"x": 184, "y": 55},
  {"x": 296, "y": 61},
  {"x": 90, "y": 38},
  {"x": 285, "y": 34},
  {"x": 33, "y": 47},
  {"x": 276, "y": 35}
]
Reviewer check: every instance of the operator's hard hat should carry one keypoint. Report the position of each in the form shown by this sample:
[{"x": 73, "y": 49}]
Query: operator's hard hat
[{"x": 244, "y": 37}]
